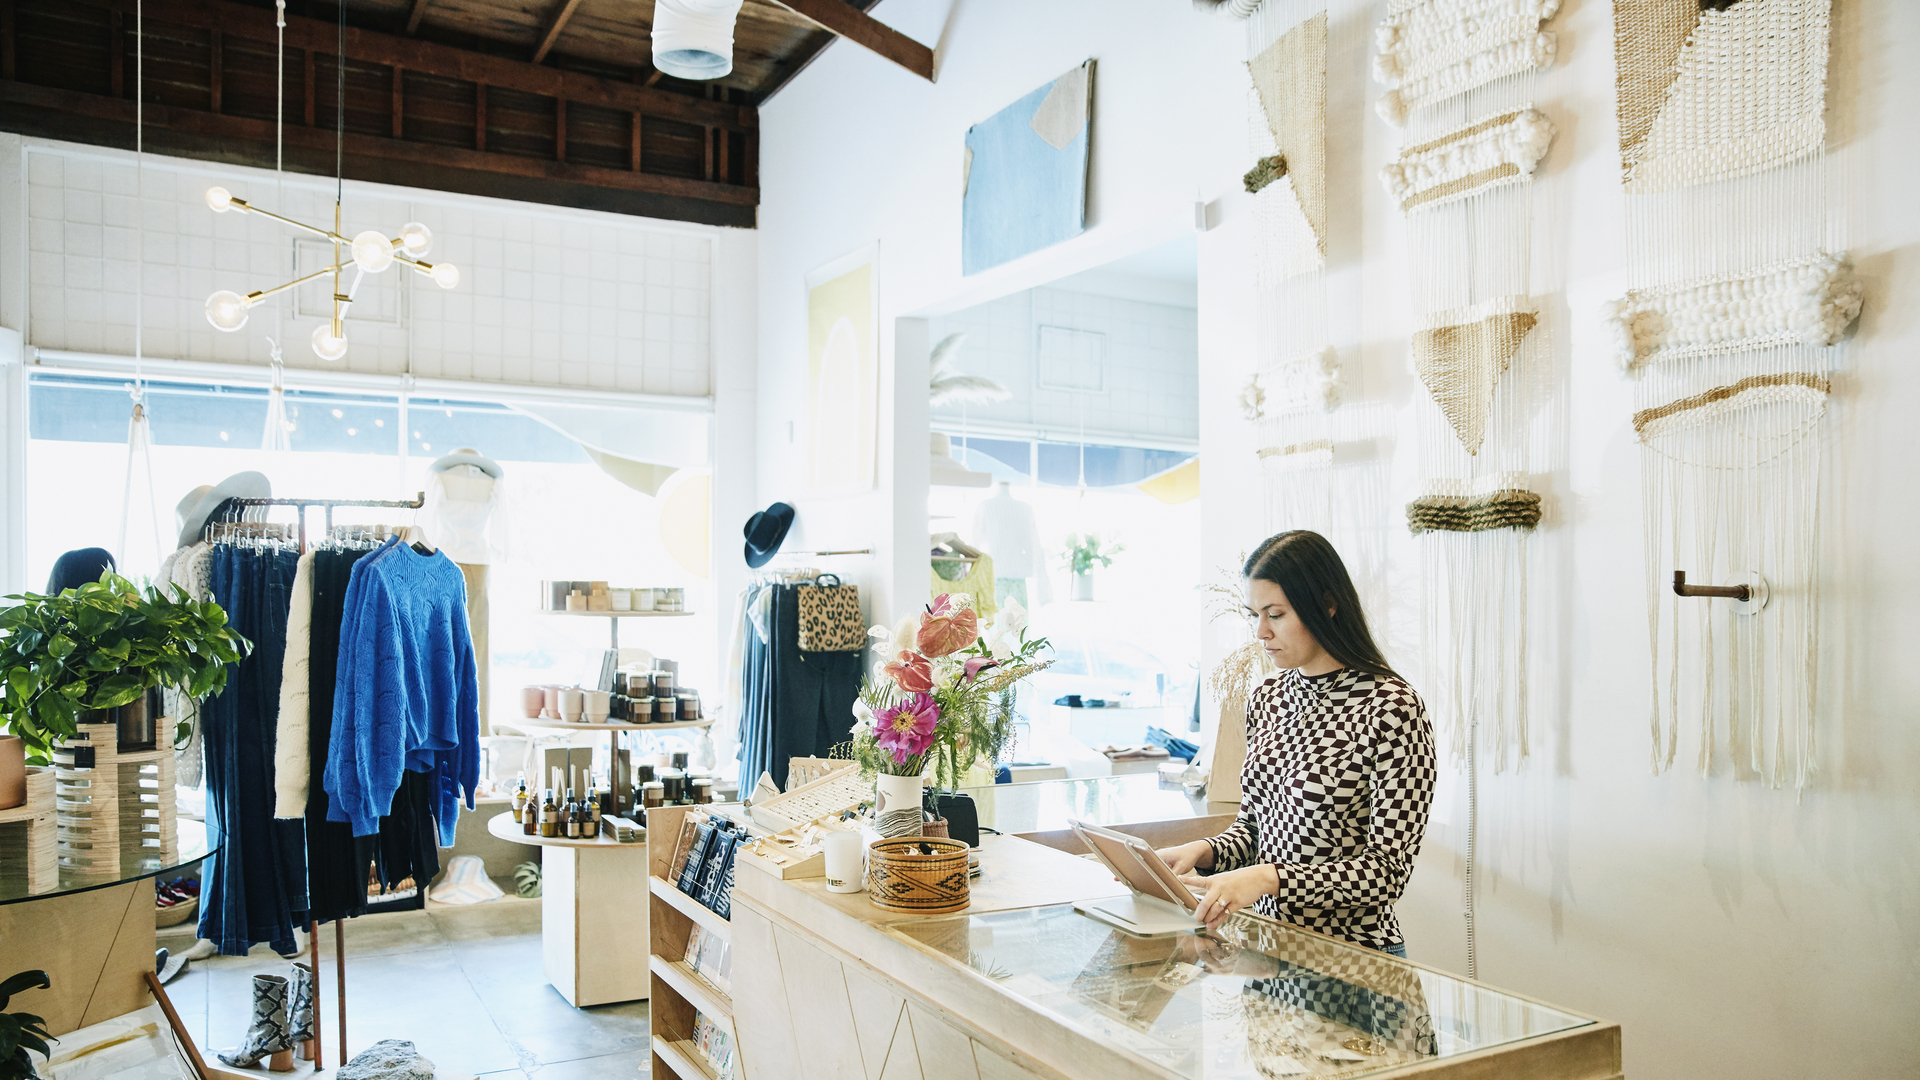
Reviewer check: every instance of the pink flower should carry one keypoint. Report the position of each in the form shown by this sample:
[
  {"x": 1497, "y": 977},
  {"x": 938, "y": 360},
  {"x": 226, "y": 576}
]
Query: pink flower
[
  {"x": 906, "y": 730},
  {"x": 911, "y": 672},
  {"x": 947, "y": 627},
  {"x": 976, "y": 665}
]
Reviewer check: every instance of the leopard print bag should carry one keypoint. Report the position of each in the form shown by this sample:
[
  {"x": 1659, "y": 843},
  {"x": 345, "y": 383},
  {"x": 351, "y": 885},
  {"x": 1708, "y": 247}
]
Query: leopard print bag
[{"x": 830, "y": 619}]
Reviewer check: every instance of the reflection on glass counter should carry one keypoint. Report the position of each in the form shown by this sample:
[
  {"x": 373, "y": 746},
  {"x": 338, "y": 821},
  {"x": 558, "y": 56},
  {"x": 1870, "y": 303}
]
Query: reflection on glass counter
[
  {"x": 1257, "y": 1000},
  {"x": 1047, "y": 805}
]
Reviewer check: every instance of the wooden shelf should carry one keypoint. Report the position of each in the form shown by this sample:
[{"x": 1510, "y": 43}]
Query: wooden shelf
[
  {"x": 691, "y": 908},
  {"x": 681, "y": 1056},
  {"x": 581, "y": 725},
  {"x": 503, "y": 827},
  {"x": 623, "y": 614},
  {"x": 697, "y": 991}
]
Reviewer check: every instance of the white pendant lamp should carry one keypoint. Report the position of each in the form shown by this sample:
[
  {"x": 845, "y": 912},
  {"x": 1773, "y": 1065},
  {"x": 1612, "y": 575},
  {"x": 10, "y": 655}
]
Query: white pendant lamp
[{"x": 693, "y": 39}]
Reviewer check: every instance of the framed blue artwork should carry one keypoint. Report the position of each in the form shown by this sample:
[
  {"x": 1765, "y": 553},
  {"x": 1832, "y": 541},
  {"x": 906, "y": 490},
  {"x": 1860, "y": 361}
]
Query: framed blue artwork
[{"x": 1025, "y": 180}]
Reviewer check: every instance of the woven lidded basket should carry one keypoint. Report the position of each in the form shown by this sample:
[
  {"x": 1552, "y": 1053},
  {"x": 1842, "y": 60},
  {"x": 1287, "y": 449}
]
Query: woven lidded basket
[{"x": 901, "y": 877}]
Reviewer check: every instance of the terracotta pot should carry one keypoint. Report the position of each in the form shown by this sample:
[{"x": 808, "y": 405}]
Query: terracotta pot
[{"x": 13, "y": 771}]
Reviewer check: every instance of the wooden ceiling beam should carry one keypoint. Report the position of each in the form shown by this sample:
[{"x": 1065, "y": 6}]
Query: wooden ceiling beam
[
  {"x": 846, "y": 21},
  {"x": 413, "y": 17},
  {"x": 428, "y": 58},
  {"x": 552, "y": 32},
  {"x": 233, "y": 133}
]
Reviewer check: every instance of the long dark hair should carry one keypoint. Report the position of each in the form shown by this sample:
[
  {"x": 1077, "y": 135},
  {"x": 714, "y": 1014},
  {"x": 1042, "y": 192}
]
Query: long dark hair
[{"x": 1310, "y": 572}]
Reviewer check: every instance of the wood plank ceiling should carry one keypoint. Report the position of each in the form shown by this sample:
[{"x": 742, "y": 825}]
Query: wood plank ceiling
[{"x": 552, "y": 101}]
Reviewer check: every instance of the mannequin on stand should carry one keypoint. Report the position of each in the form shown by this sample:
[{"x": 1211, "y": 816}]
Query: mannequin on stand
[
  {"x": 462, "y": 519},
  {"x": 1004, "y": 527}
]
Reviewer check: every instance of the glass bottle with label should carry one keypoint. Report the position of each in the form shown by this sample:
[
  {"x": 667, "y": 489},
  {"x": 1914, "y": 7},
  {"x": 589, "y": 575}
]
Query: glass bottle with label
[
  {"x": 530, "y": 816},
  {"x": 572, "y": 817},
  {"x": 520, "y": 797},
  {"x": 549, "y": 817}
]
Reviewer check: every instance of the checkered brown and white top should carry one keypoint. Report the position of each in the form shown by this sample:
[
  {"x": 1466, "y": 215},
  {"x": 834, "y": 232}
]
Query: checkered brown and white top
[{"x": 1336, "y": 788}]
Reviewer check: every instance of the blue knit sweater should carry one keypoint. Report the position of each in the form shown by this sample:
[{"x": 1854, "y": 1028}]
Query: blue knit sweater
[{"x": 406, "y": 694}]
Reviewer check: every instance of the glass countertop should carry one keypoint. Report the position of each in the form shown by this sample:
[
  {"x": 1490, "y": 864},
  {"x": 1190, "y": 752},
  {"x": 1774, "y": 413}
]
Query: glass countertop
[
  {"x": 135, "y": 863},
  {"x": 1045, "y": 805},
  {"x": 1256, "y": 1000}
]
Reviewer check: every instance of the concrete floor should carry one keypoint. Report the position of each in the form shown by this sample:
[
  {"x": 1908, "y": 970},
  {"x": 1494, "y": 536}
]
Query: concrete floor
[{"x": 463, "y": 983}]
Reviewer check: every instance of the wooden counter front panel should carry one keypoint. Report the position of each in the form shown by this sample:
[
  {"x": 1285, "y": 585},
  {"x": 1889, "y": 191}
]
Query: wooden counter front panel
[{"x": 806, "y": 1015}]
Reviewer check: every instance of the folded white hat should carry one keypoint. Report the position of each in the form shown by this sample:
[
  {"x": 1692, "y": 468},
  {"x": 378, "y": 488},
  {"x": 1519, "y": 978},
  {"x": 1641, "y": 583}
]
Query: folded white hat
[{"x": 466, "y": 883}]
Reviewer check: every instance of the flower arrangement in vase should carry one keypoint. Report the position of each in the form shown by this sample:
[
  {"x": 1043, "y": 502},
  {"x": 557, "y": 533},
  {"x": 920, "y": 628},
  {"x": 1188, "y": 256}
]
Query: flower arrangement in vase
[{"x": 940, "y": 701}]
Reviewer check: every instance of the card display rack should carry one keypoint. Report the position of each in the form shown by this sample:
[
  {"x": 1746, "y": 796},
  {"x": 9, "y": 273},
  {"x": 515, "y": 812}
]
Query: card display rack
[
  {"x": 678, "y": 993},
  {"x": 107, "y": 801}
]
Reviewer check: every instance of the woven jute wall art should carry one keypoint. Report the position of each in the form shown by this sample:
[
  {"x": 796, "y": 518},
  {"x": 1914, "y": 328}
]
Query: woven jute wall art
[
  {"x": 1426, "y": 51},
  {"x": 1498, "y": 150},
  {"x": 1711, "y": 94}
]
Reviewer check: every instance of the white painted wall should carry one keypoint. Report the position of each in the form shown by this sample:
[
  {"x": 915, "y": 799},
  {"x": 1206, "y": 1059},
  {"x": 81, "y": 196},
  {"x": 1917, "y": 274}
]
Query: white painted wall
[
  {"x": 857, "y": 150},
  {"x": 1149, "y": 355},
  {"x": 1733, "y": 931}
]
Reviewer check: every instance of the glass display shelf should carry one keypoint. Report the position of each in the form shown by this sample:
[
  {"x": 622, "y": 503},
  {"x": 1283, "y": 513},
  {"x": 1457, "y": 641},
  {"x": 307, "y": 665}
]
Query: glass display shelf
[
  {"x": 1257, "y": 999},
  {"x": 135, "y": 863}
]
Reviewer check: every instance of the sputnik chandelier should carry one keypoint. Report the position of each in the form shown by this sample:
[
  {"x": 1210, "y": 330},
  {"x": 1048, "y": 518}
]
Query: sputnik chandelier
[{"x": 370, "y": 252}]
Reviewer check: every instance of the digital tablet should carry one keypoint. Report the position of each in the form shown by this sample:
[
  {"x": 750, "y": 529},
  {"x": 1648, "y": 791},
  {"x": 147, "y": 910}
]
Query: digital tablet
[{"x": 1133, "y": 861}]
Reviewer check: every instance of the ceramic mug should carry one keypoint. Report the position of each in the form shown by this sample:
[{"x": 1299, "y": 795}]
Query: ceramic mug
[
  {"x": 552, "y": 707},
  {"x": 595, "y": 704},
  {"x": 533, "y": 699}
]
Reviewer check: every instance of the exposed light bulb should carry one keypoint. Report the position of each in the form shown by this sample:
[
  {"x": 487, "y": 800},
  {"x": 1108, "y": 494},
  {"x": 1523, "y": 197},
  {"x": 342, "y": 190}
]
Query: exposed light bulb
[
  {"x": 416, "y": 238},
  {"x": 372, "y": 251},
  {"x": 325, "y": 345},
  {"x": 446, "y": 275},
  {"x": 226, "y": 309},
  {"x": 219, "y": 199}
]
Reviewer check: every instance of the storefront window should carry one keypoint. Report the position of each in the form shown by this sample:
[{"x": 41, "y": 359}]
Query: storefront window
[{"x": 565, "y": 517}]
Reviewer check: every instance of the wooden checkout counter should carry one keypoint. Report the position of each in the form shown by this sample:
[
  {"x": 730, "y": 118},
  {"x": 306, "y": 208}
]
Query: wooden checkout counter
[{"x": 826, "y": 986}]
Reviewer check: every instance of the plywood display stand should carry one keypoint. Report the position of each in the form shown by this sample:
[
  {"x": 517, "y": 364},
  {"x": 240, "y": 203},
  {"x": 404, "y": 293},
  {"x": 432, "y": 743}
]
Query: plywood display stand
[
  {"x": 27, "y": 844},
  {"x": 677, "y": 991},
  {"x": 124, "y": 801}
]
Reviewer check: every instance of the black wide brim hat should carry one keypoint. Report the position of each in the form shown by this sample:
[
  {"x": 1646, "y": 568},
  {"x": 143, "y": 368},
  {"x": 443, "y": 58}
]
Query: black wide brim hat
[{"x": 765, "y": 531}]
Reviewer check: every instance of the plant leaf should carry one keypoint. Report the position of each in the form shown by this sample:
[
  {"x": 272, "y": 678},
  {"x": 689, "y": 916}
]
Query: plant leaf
[{"x": 24, "y": 980}]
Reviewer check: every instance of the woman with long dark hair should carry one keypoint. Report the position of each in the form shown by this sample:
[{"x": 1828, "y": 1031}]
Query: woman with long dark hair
[{"x": 1340, "y": 763}]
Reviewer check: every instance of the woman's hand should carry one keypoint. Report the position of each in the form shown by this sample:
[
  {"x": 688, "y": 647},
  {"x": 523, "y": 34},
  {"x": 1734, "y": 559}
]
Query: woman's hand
[
  {"x": 1187, "y": 858},
  {"x": 1229, "y": 892}
]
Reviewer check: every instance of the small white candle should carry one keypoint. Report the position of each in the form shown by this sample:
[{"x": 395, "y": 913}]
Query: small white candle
[{"x": 844, "y": 858}]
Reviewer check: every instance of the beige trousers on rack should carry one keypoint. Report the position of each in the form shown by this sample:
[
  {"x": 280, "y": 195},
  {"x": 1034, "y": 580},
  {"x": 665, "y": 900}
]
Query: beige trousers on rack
[{"x": 476, "y": 576}]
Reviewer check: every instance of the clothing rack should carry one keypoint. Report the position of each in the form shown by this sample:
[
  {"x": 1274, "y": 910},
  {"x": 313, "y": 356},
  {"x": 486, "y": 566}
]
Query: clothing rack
[{"x": 339, "y": 928}]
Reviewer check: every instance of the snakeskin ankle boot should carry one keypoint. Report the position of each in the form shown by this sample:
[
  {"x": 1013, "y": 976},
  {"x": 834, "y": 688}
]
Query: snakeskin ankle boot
[
  {"x": 267, "y": 1036},
  {"x": 300, "y": 1012}
]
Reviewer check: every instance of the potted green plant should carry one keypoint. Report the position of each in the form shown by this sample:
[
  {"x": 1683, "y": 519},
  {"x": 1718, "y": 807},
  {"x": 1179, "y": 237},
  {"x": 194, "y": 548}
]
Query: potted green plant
[
  {"x": 1084, "y": 553},
  {"x": 22, "y": 1032},
  {"x": 102, "y": 646}
]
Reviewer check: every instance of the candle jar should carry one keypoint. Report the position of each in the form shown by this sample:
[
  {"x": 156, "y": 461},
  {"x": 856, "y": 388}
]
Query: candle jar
[
  {"x": 674, "y": 786},
  {"x": 653, "y": 793},
  {"x": 702, "y": 790},
  {"x": 643, "y": 710},
  {"x": 663, "y": 684},
  {"x": 689, "y": 707}
]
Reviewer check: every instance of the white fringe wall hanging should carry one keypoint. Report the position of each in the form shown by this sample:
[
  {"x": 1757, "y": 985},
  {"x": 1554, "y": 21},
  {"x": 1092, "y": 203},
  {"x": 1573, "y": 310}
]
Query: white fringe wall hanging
[
  {"x": 1427, "y": 51},
  {"x": 1460, "y": 78},
  {"x": 1734, "y": 322}
]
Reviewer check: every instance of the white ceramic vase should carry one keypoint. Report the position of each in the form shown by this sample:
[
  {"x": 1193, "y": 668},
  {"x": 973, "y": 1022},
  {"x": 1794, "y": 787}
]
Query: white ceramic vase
[
  {"x": 897, "y": 805},
  {"x": 1083, "y": 586}
]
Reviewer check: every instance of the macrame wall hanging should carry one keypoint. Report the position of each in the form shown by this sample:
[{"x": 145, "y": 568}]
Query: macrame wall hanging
[
  {"x": 1740, "y": 296},
  {"x": 1460, "y": 79}
]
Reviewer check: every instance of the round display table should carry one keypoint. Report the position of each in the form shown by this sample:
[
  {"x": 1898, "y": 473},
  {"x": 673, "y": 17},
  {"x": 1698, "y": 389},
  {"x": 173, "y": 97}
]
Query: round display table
[
  {"x": 593, "y": 914},
  {"x": 91, "y": 931}
]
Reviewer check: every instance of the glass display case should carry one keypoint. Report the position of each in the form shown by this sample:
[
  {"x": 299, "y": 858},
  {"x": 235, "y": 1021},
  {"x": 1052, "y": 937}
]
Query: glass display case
[{"x": 1257, "y": 999}]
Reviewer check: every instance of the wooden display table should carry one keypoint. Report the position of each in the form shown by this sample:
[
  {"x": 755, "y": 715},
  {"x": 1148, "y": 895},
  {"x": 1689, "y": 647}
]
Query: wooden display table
[{"x": 593, "y": 914}]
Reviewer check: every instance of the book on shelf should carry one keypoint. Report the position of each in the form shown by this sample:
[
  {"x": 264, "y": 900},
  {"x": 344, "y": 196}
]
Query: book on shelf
[
  {"x": 683, "y": 844},
  {"x": 711, "y": 1041},
  {"x": 719, "y": 858},
  {"x": 695, "y": 866},
  {"x": 711, "y": 958}
]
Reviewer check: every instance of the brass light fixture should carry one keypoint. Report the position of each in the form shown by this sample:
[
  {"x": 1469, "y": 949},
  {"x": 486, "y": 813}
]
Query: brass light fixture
[{"x": 370, "y": 252}]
